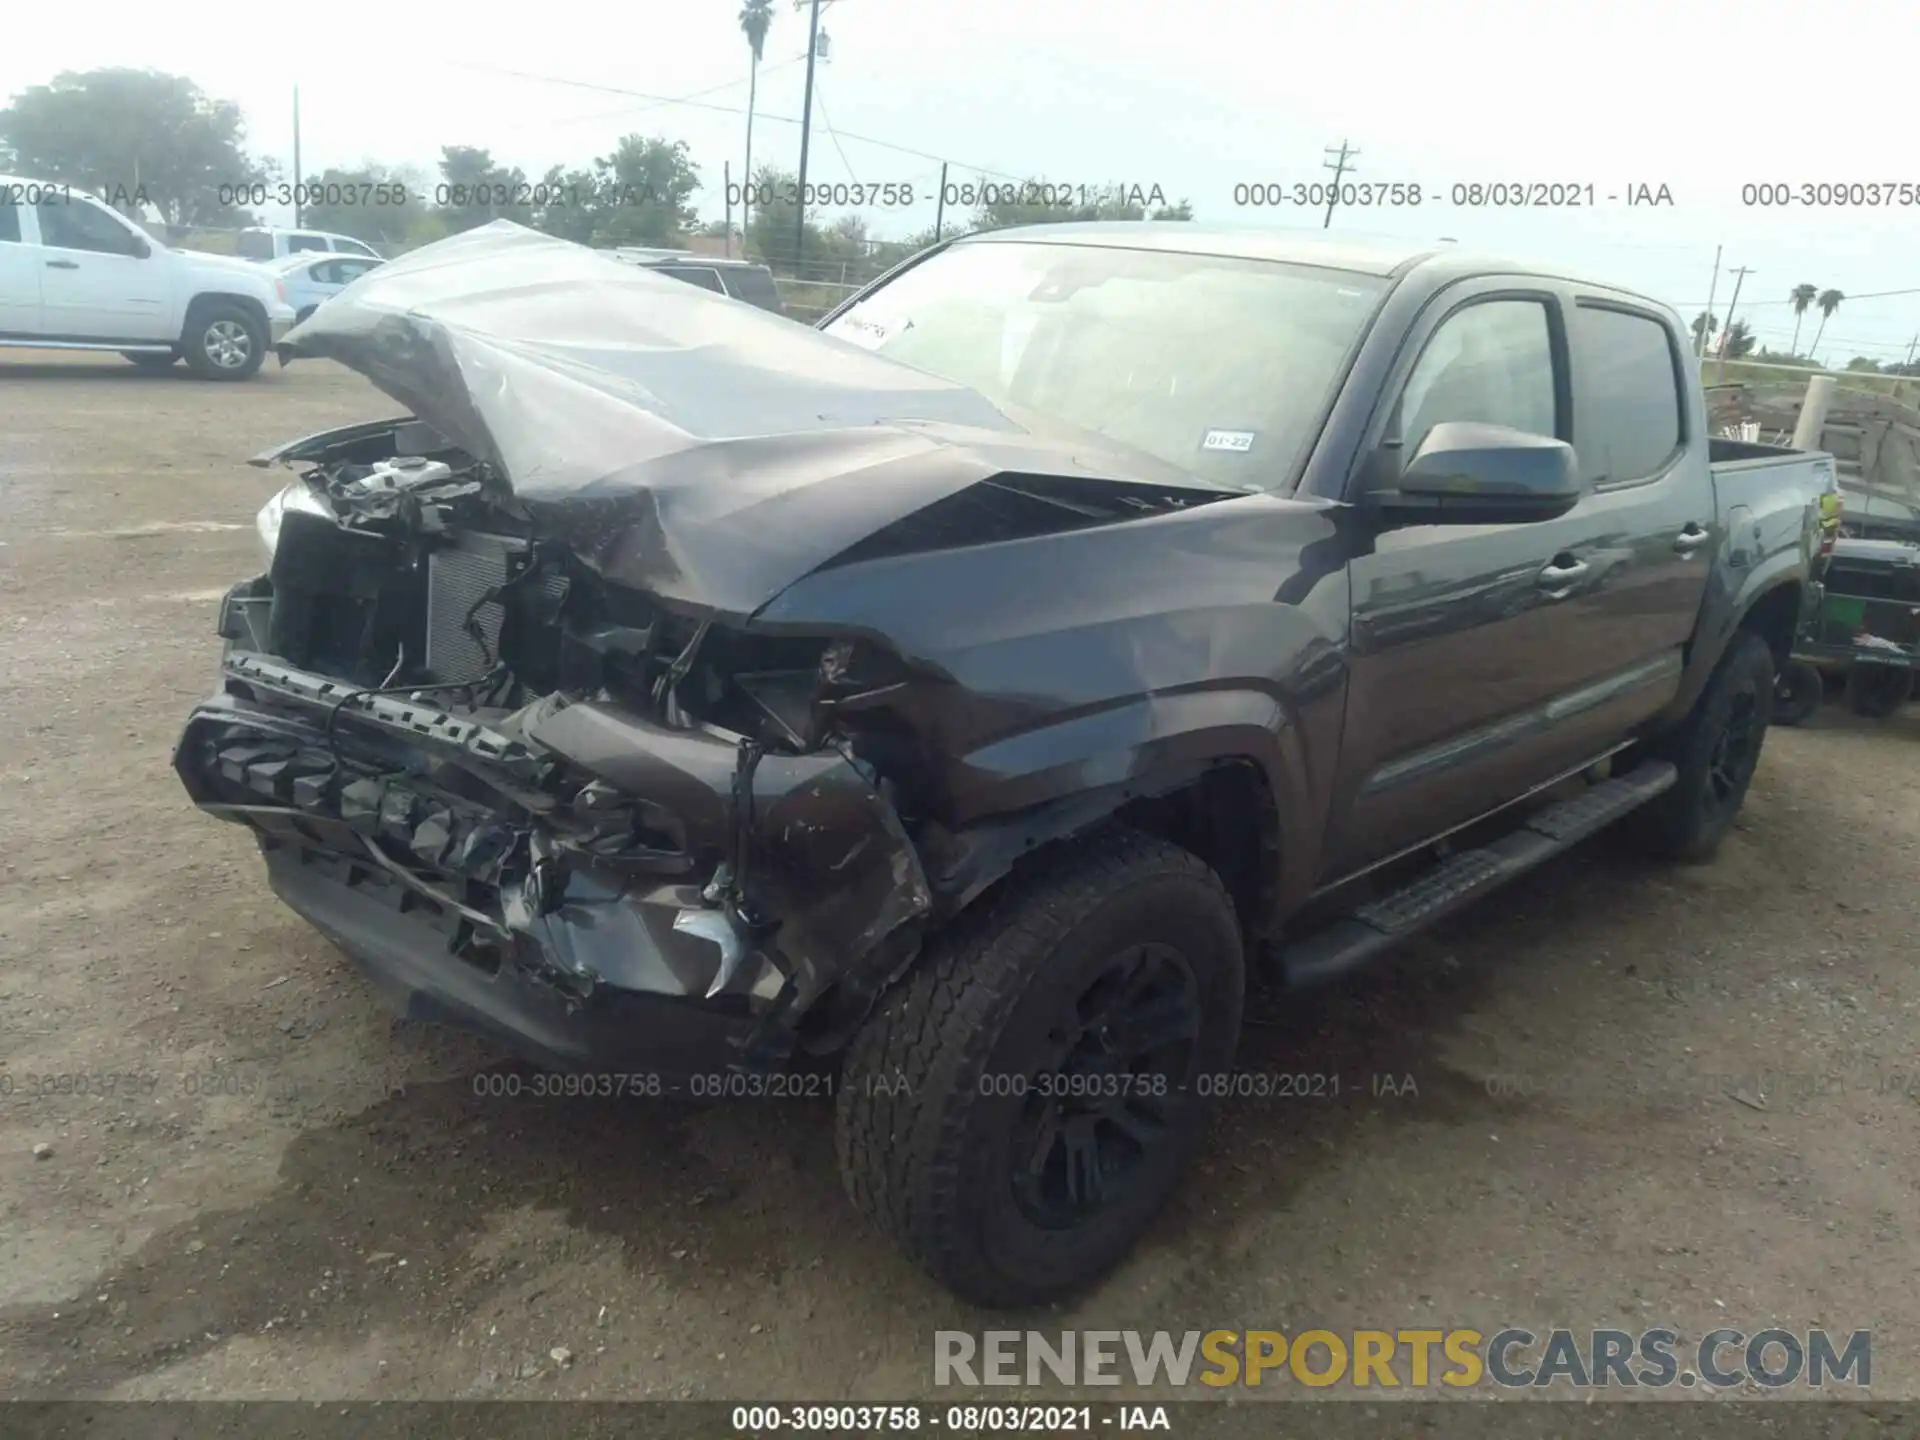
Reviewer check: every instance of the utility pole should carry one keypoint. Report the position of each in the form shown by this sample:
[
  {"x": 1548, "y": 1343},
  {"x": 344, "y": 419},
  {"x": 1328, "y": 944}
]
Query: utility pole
[
  {"x": 806, "y": 127},
  {"x": 1337, "y": 164},
  {"x": 1713, "y": 289},
  {"x": 1726, "y": 331},
  {"x": 940, "y": 205},
  {"x": 296, "y": 157}
]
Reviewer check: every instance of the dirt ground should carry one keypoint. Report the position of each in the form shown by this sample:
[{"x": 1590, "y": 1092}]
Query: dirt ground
[{"x": 1625, "y": 1096}]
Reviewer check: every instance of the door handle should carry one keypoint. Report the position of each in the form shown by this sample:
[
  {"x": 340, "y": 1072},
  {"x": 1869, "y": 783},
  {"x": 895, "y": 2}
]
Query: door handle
[
  {"x": 1558, "y": 577},
  {"x": 1691, "y": 538},
  {"x": 63, "y": 265}
]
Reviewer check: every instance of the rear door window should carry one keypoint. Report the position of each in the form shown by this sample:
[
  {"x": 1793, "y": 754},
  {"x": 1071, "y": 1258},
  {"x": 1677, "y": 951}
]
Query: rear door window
[
  {"x": 297, "y": 243},
  {"x": 756, "y": 287},
  {"x": 9, "y": 222},
  {"x": 703, "y": 276},
  {"x": 1629, "y": 416},
  {"x": 254, "y": 245}
]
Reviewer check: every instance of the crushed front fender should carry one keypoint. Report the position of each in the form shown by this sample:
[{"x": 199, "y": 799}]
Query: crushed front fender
[{"x": 493, "y": 874}]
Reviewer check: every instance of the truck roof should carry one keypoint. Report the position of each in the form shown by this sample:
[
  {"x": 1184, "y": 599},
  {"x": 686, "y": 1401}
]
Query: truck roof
[{"x": 1383, "y": 256}]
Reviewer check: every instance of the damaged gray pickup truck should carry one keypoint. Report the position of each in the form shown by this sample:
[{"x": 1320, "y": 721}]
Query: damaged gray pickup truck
[{"x": 960, "y": 699}]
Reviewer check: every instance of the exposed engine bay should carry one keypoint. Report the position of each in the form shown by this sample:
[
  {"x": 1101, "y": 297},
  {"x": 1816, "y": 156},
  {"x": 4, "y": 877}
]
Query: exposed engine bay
[{"x": 562, "y": 772}]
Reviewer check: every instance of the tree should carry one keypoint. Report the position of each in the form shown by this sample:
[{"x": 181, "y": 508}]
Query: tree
[
  {"x": 1861, "y": 364},
  {"x": 1738, "y": 341},
  {"x": 642, "y": 194},
  {"x": 371, "y": 202},
  {"x": 135, "y": 137},
  {"x": 1802, "y": 297},
  {"x": 1828, "y": 302},
  {"x": 474, "y": 190},
  {"x": 770, "y": 236},
  {"x": 756, "y": 18},
  {"x": 1704, "y": 326}
]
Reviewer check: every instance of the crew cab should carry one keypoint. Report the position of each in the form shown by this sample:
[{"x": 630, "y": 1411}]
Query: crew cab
[
  {"x": 968, "y": 695},
  {"x": 77, "y": 275}
]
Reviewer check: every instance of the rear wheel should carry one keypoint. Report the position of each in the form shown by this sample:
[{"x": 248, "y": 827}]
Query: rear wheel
[
  {"x": 1021, "y": 1104},
  {"x": 1715, "y": 750},
  {"x": 1876, "y": 691},
  {"x": 1797, "y": 693},
  {"x": 151, "y": 360},
  {"x": 224, "y": 341}
]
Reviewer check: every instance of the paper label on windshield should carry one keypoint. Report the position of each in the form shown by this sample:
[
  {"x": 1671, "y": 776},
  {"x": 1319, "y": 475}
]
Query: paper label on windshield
[
  {"x": 869, "y": 333},
  {"x": 1236, "y": 441}
]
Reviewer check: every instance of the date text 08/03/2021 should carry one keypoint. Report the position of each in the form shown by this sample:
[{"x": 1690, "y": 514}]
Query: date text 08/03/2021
[
  {"x": 1463, "y": 194},
  {"x": 459, "y": 195},
  {"x": 823, "y": 1085},
  {"x": 973, "y": 1419}
]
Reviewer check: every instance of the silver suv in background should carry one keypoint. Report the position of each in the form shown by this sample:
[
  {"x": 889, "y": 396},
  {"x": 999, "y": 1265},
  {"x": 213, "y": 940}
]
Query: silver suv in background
[
  {"x": 259, "y": 242},
  {"x": 740, "y": 279}
]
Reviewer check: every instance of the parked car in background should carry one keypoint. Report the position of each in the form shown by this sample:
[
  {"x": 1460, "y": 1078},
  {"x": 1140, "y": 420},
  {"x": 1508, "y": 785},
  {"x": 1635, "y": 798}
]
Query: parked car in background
[
  {"x": 306, "y": 280},
  {"x": 77, "y": 275},
  {"x": 740, "y": 279},
  {"x": 259, "y": 242}
]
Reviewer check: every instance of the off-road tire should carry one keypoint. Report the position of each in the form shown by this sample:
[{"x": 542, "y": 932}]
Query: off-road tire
[
  {"x": 1689, "y": 821},
  {"x": 1876, "y": 691},
  {"x": 151, "y": 360},
  {"x": 212, "y": 332},
  {"x": 1797, "y": 692},
  {"x": 924, "y": 1129}
]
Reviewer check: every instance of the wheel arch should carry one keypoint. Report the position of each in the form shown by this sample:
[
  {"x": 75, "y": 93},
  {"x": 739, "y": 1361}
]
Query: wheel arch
[
  {"x": 1229, "y": 790},
  {"x": 201, "y": 303}
]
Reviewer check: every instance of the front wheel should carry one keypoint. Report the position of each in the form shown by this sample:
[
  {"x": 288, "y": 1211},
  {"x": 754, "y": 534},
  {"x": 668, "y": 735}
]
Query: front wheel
[
  {"x": 1018, "y": 1107},
  {"x": 1715, "y": 751},
  {"x": 224, "y": 341}
]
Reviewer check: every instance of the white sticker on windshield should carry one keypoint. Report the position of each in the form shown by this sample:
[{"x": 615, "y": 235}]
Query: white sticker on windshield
[
  {"x": 868, "y": 334},
  {"x": 1238, "y": 441}
]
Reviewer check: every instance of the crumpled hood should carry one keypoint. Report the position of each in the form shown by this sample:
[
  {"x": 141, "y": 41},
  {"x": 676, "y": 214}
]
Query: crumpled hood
[{"x": 683, "y": 442}]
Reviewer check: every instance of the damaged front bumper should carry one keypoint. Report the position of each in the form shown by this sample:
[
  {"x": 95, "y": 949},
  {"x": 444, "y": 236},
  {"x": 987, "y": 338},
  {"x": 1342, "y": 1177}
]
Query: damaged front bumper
[{"x": 589, "y": 888}]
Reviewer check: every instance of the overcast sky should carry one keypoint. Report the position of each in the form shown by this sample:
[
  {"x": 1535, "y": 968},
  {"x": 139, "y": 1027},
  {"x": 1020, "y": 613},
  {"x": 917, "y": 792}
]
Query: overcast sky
[{"x": 1193, "y": 97}]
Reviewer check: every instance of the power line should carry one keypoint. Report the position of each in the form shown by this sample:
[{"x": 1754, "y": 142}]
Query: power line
[
  {"x": 834, "y": 135},
  {"x": 1869, "y": 295},
  {"x": 679, "y": 99},
  {"x": 738, "y": 110}
]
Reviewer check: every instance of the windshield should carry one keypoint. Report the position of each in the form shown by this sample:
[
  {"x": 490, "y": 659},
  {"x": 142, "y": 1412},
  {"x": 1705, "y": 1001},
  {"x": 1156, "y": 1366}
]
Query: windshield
[{"x": 1220, "y": 366}]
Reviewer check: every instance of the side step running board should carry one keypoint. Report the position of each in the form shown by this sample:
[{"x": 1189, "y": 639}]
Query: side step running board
[{"x": 1354, "y": 939}]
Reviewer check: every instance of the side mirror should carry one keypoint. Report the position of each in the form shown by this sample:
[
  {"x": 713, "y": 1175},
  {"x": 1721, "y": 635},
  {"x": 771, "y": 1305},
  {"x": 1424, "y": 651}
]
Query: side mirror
[
  {"x": 142, "y": 250},
  {"x": 1466, "y": 473}
]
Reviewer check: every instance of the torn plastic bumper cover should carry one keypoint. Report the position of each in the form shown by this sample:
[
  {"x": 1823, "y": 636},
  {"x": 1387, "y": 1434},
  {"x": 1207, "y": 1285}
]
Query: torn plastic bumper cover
[{"x": 592, "y": 889}]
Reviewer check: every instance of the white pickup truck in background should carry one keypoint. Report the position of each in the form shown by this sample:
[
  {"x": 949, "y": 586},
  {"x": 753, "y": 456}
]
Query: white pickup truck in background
[{"x": 77, "y": 275}]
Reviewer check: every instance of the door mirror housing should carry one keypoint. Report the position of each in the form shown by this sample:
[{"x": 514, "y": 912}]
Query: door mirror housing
[
  {"x": 1466, "y": 473},
  {"x": 142, "y": 250}
]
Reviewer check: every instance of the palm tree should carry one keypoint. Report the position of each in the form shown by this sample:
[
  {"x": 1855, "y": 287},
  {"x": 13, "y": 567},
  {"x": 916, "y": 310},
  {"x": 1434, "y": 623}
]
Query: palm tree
[
  {"x": 756, "y": 17},
  {"x": 1802, "y": 298},
  {"x": 1828, "y": 301}
]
